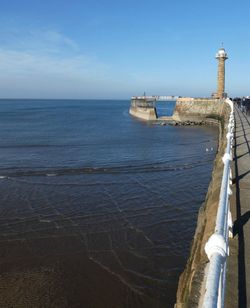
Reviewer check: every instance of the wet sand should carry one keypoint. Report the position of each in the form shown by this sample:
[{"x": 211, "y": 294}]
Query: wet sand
[{"x": 51, "y": 272}]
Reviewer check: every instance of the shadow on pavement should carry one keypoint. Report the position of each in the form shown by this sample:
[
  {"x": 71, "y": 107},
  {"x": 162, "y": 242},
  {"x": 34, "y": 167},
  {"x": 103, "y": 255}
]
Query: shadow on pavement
[{"x": 238, "y": 229}]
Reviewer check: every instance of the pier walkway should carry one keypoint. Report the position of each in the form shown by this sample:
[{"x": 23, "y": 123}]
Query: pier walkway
[{"x": 238, "y": 270}]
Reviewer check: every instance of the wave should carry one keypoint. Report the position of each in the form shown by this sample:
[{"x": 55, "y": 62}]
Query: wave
[{"x": 144, "y": 168}]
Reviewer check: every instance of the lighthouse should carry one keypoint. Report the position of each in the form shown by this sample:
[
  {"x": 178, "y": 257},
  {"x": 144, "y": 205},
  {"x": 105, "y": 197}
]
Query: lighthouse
[{"x": 221, "y": 56}]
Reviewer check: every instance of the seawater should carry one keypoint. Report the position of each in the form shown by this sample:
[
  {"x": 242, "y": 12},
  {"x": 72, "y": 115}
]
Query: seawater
[{"x": 106, "y": 201}]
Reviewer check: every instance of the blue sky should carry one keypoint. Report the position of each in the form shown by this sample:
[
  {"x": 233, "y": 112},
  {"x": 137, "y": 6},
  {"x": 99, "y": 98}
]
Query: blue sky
[{"x": 116, "y": 49}]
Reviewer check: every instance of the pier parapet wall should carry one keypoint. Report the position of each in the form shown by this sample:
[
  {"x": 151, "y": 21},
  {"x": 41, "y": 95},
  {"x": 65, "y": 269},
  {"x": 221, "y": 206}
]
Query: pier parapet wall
[
  {"x": 143, "y": 108},
  {"x": 207, "y": 111},
  {"x": 148, "y": 114},
  {"x": 198, "y": 109},
  {"x": 191, "y": 282}
]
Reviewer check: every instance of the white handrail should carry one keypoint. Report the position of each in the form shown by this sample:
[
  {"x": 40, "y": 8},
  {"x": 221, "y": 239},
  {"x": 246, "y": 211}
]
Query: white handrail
[{"x": 217, "y": 248}]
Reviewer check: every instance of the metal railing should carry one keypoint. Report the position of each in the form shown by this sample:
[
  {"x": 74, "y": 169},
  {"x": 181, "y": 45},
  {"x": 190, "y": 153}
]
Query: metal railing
[{"x": 217, "y": 248}]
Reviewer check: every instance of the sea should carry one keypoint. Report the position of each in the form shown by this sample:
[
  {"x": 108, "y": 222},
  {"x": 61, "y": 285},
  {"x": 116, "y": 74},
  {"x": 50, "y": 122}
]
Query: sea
[{"x": 97, "y": 205}]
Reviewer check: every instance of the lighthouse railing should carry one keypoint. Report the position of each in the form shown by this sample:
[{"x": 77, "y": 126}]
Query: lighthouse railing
[{"x": 217, "y": 247}]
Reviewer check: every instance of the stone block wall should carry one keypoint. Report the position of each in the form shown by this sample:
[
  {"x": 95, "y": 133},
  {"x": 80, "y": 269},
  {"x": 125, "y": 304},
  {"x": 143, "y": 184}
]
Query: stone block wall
[
  {"x": 192, "y": 278},
  {"x": 197, "y": 109},
  {"x": 148, "y": 114}
]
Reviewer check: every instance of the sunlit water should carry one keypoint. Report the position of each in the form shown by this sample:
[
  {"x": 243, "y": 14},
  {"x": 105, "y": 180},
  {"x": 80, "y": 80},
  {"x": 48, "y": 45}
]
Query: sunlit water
[{"x": 122, "y": 193}]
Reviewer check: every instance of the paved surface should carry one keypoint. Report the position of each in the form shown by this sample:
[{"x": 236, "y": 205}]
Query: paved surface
[{"x": 238, "y": 272}]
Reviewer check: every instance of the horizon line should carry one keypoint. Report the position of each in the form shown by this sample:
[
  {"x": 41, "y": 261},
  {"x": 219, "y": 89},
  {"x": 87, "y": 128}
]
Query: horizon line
[{"x": 24, "y": 98}]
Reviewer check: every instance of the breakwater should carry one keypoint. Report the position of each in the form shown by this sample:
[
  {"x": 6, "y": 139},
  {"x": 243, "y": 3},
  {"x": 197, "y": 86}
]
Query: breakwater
[
  {"x": 187, "y": 110},
  {"x": 148, "y": 114},
  {"x": 200, "y": 111},
  {"x": 191, "y": 282},
  {"x": 143, "y": 108}
]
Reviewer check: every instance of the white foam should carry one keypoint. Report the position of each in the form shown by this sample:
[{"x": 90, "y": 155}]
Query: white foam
[
  {"x": 51, "y": 174},
  {"x": 45, "y": 220}
]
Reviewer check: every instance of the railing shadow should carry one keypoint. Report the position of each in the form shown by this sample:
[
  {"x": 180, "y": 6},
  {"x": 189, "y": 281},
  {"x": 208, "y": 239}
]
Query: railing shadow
[
  {"x": 239, "y": 230},
  {"x": 240, "y": 177},
  {"x": 239, "y": 223},
  {"x": 239, "y": 144},
  {"x": 242, "y": 155}
]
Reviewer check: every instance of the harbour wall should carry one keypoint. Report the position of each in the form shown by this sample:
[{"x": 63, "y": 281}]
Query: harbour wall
[
  {"x": 148, "y": 114},
  {"x": 191, "y": 281},
  {"x": 204, "y": 111},
  {"x": 195, "y": 110}
]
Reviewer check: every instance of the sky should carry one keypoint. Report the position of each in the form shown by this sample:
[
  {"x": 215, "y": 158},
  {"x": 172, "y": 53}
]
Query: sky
[{"x": 115, "y": 49}]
